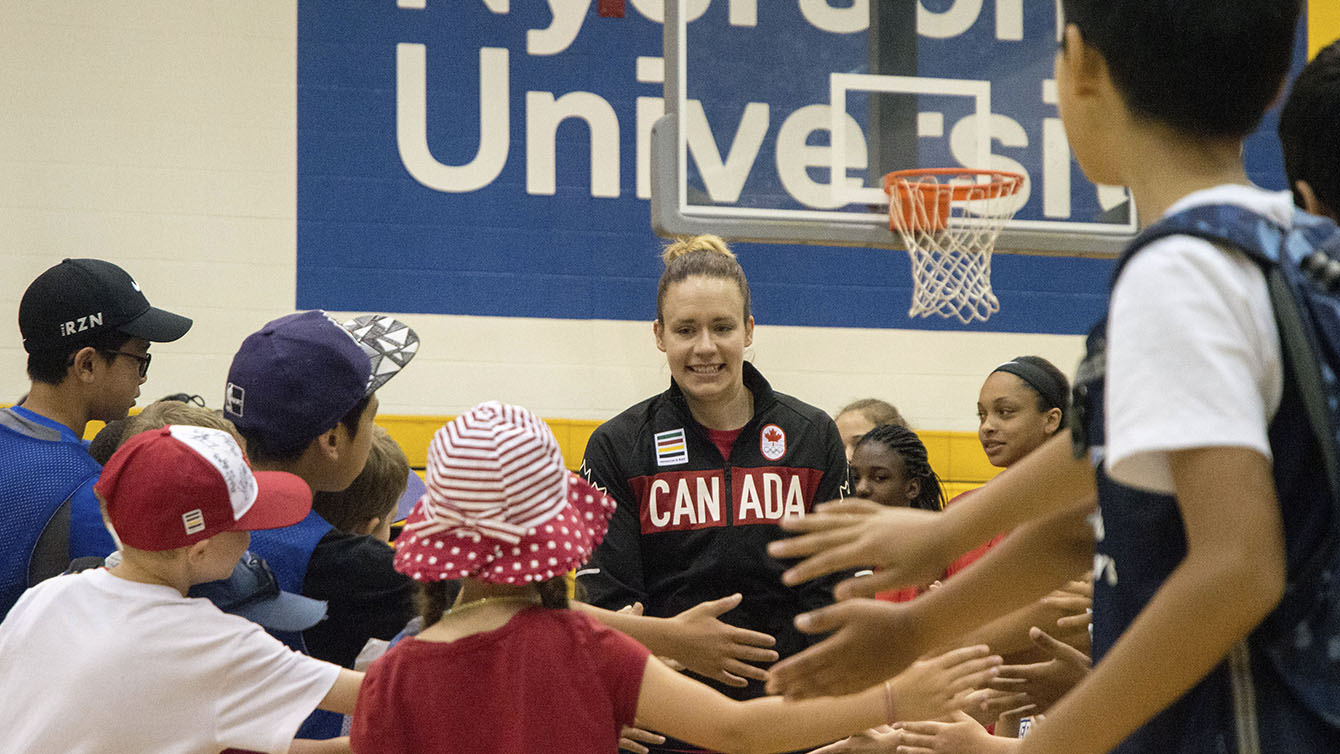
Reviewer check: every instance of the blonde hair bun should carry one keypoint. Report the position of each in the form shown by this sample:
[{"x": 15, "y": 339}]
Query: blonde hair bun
[{"x": 688, "y": 244}]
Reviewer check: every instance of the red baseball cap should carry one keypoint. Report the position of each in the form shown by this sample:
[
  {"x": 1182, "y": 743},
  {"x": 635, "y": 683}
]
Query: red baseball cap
[{"x": 175, "y": 486}]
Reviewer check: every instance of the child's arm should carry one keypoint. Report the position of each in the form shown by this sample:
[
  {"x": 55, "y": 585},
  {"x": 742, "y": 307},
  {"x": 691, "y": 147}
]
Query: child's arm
[
  {"x": 697, "y": 640},
  {"x": 1009, "y": 634},
  {"x": 343, "y": 694},
  {"x": 1231, "y": 578},
  {"x": 1033, "y": 560},
  {"x": 681, "y": 707},
  {"x": 911, "y": 546}
]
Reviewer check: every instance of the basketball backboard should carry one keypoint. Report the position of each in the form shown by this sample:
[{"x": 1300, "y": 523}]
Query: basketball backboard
[{"x": 753, "y": 92}]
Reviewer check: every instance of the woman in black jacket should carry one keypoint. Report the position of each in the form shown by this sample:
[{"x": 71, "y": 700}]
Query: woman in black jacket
[{"x": 704, "y": 471}]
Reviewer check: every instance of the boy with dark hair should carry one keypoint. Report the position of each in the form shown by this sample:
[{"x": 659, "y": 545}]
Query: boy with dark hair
[
  {"x": 87, "y": 327},
  {"x": 1192, "y": 439},
  {"x": 302, "y": 393},
  {"x": 1307, "y": 129},
  {"x": 121, "y": 660}
]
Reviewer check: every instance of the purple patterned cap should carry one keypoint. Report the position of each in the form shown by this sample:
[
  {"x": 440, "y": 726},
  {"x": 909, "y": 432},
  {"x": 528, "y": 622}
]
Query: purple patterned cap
[{"x": 300, "y": 374}]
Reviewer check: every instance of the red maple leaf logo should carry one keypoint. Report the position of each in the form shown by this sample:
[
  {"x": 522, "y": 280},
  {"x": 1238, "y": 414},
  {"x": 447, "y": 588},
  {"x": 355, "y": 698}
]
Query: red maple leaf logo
[{"x": 772, "y": 434}]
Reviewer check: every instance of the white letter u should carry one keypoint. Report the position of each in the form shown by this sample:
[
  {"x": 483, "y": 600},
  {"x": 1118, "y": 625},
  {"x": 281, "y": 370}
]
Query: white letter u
[{"x": 412, "y": 121}]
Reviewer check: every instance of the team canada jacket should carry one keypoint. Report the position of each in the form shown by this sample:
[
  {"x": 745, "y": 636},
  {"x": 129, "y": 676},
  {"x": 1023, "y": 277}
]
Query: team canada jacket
[{"x": 693, "y": 526}]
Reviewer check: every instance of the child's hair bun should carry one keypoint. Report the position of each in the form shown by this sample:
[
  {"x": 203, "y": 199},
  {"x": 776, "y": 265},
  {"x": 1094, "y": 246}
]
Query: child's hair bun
[{"x": 687, "y": 244}]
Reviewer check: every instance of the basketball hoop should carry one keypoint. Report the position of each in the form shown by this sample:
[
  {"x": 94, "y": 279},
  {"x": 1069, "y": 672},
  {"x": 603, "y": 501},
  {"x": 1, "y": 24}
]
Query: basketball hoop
[{"x": 949, "y": 219}]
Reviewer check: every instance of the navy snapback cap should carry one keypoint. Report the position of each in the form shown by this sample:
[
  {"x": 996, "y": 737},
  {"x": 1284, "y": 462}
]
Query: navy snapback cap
[{"x": 297, "y": 376}]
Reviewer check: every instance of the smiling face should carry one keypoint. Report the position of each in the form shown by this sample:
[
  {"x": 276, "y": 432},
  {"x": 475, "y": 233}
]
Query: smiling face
[
  {"x": 1010, "y": 426},
  {"x": 703, "y": 333},
  {"x": 879, "y": 474}
]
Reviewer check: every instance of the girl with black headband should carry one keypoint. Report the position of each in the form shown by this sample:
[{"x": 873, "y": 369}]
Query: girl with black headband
[{"x": 1022, "y": 403}]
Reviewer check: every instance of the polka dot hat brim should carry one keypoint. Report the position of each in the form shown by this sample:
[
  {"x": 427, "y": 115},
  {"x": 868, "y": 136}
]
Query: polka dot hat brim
[{"x": 546, "y": 551}]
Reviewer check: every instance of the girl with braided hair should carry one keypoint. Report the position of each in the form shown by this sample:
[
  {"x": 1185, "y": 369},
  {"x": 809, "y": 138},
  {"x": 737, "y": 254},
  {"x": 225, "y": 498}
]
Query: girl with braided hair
[{"x": 889, "y": 466}]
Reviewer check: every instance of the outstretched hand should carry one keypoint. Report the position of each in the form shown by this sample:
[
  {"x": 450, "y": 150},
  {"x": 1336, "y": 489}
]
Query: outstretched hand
[
  {"x": 988, "y": 705},
  {"x": 1076, "y": 600},
  {"x": 718, "y": 650},
  {"x": 905, "y": 545},
  {"x": 870, "y": 643},
  {"x": 1044, "y": 682},
  {"x": 935, "y": 686},
  {"x": 636, "y": 740},
  {"x": 961, "y": 735}
]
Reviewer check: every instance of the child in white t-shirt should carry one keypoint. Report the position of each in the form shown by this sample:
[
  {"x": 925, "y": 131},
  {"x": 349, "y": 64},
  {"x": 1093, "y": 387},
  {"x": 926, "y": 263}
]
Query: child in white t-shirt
[{"x": 121, "y": 660}]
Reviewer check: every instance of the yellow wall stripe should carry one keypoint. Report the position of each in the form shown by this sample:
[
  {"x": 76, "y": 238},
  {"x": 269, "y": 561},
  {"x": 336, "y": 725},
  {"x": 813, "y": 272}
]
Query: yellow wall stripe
[
  {"x": 956, "y": 456},
  {"x": 1323, "y": 24}
]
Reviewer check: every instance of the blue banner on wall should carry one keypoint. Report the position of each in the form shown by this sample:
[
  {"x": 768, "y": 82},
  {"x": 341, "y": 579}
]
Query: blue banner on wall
[{"x": 524, "y": 212}]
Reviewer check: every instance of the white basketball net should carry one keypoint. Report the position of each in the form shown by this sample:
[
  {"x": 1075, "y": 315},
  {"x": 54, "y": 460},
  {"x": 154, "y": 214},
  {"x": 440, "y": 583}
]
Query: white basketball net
[{"x": 951, "y": 253}]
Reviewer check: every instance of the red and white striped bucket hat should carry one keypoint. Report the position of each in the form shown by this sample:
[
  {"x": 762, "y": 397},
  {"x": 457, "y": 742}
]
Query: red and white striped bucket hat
[{"x": 500, "y": 506}]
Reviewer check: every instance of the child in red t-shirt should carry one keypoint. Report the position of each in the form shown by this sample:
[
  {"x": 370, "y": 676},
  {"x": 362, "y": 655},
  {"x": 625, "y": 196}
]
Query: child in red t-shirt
[{"x": 508, "y": 669}]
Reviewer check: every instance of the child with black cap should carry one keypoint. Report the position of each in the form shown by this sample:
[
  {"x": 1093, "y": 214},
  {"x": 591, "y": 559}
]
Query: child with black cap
[{"x": 86, "y": 327}]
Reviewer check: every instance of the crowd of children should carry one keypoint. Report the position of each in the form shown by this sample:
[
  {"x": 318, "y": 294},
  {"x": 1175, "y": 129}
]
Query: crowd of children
[{"x": 226, "y": 571}]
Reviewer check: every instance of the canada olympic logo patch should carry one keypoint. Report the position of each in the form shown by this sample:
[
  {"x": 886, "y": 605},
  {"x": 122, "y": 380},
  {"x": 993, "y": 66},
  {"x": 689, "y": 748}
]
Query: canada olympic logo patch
[{"x": 772, "y": 442}]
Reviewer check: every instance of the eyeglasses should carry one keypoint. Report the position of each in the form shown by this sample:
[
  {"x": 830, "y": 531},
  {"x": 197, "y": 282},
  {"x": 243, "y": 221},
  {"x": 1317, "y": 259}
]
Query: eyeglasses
[{"x": 142, "y": 358}]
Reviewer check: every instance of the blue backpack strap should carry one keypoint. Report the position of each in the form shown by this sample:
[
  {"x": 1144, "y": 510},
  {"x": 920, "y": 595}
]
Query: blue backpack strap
[
  {"x": 289, "y": 549},
  {"x": 1227, "y": 224}
]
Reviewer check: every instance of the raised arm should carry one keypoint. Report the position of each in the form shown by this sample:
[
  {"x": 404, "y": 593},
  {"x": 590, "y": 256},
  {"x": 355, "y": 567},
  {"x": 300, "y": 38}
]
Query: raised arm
[
  {"x": 911, "y": 547},
  {"x": 873, "y": 640},
  {"x": 1009, "y": 634}
]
